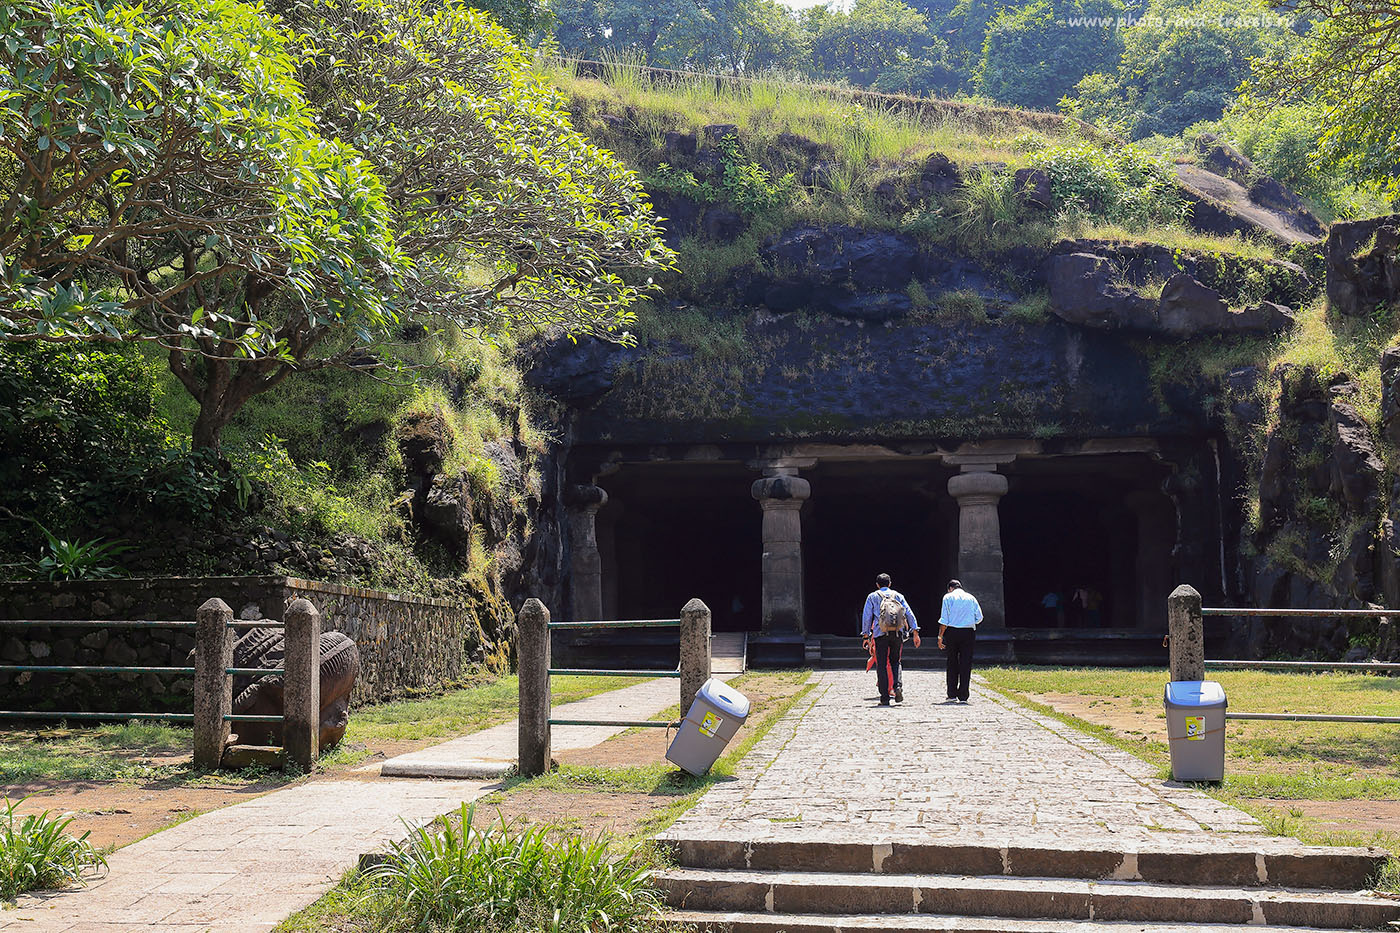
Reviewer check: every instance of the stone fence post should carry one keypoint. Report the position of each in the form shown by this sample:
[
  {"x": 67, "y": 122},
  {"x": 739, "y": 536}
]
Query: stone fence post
[
  {"x": 532, "y": 660},
  {"x": 1186, "y": 634},
  {"x": 301, "y": 690},
  {"x": 695, "y": 651},
  {"x": 213, "y": 688}
]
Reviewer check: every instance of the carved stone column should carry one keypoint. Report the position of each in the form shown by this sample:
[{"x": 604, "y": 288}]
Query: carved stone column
[
  {"x": 781, "y": 497},
  {"x": 586, "y": 563},
  {"x": 978, "y": 490}
]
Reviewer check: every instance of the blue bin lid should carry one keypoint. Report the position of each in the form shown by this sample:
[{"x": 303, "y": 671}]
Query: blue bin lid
[
  {"x": 1195, "y": 693},
  {"x": 724, "y": 697}
]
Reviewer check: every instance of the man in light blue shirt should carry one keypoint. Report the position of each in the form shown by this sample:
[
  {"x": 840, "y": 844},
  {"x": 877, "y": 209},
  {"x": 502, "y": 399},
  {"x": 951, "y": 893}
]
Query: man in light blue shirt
[
  {"x": 957, "y": 632},
  {"x": 889, "y": 646}
]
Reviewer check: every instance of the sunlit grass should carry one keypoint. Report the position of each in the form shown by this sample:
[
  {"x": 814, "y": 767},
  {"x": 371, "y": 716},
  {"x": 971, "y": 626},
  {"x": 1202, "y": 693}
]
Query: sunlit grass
[
  {"x": 159, "y": 753},
  {"x": 1319, "y": 761}
]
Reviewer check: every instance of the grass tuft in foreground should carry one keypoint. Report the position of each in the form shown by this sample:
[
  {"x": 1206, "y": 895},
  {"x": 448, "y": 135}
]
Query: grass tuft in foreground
[
  {"x": 37, "y": 852},
  {"x": 500, "y": 877}
]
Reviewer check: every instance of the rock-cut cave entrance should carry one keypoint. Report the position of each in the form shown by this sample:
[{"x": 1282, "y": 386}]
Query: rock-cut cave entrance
[
  {"x": 867, "y": 518},
  {"x": 1095, "y": 531},
  {"x": 674, "y": 531},
  {"x": 1100, "y": 524}
]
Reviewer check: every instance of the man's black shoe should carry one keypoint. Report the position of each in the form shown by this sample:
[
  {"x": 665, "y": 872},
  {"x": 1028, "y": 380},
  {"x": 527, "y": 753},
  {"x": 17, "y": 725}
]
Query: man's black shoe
[
  {"x": 885, "y": 701},
  {"x": 961, "y": 700},
  {"x": 898, "y": 695}
]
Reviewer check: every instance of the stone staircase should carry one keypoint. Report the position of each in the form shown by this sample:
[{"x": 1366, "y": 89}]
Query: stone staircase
[{"x": 772, "y": 886}]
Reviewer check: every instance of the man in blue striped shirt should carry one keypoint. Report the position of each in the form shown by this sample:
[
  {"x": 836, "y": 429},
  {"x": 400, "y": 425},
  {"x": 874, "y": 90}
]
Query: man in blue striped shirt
[
  {"x": 888, "y": 646},
  {"x": 957, "y": 632}
]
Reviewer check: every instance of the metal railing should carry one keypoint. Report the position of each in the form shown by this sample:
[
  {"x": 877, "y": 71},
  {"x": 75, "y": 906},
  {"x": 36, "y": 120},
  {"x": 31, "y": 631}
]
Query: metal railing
[
  {"x": 604, "y": 672},
  {"x": 63, "y": 715},
  {"x": 213, "y": 674},
  {"x": 535, "y": 672},
  {"x": 1186, "y": 639}
]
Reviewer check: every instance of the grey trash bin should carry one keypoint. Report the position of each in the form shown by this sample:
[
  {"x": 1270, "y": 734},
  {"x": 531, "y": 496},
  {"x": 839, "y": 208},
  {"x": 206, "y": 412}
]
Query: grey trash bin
[
  {"x": 717, "y": 713},
  {"x": 1196, "y": 729}
]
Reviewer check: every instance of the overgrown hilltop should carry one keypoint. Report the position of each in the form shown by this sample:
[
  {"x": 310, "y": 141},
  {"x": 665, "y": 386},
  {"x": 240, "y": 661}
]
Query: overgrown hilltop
[{"x": 989, "y": 249}]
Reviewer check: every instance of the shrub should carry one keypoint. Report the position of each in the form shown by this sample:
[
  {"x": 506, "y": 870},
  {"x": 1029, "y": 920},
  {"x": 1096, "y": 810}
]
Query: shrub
[
  {"x": 457, "y": 875},
  {"x": 1126, "y": 185},
  {"x": 37, "y": 852}
]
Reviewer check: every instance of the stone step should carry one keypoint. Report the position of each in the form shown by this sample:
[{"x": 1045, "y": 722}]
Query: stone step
[
  {"x": 1187, "y": 862},
  {"x": 742, "y": 922},
  {"x": 1024, "y": 898}
]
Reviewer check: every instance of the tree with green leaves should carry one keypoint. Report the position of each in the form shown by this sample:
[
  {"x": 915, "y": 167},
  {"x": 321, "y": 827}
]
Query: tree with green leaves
[
  {"x": 877, "y": 43},
  {"x": 1348, "y": 67},
  {"x": 264, "y": 198},
  {"x": 1181, "y": 64},
  {"x": 1033, "y": 55}
]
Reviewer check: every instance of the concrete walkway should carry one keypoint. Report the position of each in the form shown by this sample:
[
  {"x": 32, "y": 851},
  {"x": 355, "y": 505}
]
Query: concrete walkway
[{"x": 245, "y": 868}]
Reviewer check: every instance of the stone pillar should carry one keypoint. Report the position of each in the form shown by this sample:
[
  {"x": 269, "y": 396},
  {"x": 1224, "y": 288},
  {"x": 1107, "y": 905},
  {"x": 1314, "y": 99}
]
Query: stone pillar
[
  {"x": 695, "y": 651},
  {"x": 301, "y": 684},
  {"x": 213, "y": 688},
  {"x": 781, "y": 497},
  {"x": 978, "y": 490},
  {"x": 586, "y": 562},
  {"x": 532, "y": 657},
  {"x": 1186, "y": 631}
]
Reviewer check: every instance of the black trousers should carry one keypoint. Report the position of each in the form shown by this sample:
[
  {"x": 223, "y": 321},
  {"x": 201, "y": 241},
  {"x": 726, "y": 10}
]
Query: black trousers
[
  {"x": 959, "y": 642},
  {"x": 888, "y": 650}
]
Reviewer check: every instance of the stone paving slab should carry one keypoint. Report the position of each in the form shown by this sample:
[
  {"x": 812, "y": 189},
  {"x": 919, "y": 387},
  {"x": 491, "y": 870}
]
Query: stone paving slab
[
  {"x": 244, "y": 868},
  {"x": 989, "y": 772},
  {"x": 490, "y": 753}
]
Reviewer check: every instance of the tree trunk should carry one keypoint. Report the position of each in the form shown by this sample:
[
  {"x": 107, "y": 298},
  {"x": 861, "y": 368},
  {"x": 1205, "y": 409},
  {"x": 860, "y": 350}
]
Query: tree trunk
[{"x": 208, "y": 426}]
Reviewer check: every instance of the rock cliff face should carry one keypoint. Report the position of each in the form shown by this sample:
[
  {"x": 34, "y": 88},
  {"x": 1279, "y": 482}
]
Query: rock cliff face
[{"x": 834, "y": 332}]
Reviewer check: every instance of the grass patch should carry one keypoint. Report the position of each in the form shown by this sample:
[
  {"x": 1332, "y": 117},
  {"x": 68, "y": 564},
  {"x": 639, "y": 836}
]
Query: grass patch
[
  {"x": 140, "y": 751},
  {"x": 1284, "y": 760},
  {"x": 662, "y": 779},
  {"x": 1267, "y": 764},
  {"x": 37, "y": 853},
  {"x": 462, "y": 872}
]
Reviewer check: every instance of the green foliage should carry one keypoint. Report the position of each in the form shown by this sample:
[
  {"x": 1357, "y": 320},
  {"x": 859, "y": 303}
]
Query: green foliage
[
  {"x": 510, "y": 217},
  {"x": 136, "y": 188},
  {"x": 458, "y": 874},
  {"x": 1122, "y": 185},
  {"x": 984, "y": 209},
  {"x": 747, "y": 185},
  {"x": 883, "y": 44},
  {"x": 1035, "y": 54},
  {"x": 1345, "y": 67},
  {"x": 38, "y": 853},
  {"x": 79, "y": 560},
  {"x": 1181, "y": 64},
  {"x": 741, "y": 181}
]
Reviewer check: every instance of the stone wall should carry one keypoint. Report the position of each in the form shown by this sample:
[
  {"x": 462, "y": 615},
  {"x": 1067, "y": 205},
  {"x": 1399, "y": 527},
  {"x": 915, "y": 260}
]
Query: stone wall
[{"x": 406, "y": 643}]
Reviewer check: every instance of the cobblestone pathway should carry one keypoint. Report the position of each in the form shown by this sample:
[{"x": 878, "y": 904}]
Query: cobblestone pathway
[
  {"x": 245, "y": 868},
  {"x": 989, "y": 772}
]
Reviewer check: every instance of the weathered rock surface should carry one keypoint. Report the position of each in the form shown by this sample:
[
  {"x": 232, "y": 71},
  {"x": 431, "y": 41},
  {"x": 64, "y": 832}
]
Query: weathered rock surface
[
  {"x": 1363, "y": 265},
  {"x": 1087, "y": 289}
]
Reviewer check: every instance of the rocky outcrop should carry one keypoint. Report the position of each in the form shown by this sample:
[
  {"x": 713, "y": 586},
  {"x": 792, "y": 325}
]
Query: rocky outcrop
[
  {"x": 1229, "y": 194},
  {"x": 1086, "y": 289},
  {"x": 1363, "y": 265}
]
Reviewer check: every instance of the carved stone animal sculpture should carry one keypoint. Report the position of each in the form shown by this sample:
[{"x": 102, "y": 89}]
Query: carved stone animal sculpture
[{"x": 262, "y": 696}]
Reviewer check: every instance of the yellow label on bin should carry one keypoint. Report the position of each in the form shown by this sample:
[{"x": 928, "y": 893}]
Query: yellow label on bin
[
  {"x": 1195, "y": 728},
  {"x": 709, "y": 725}
]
